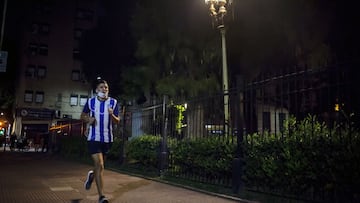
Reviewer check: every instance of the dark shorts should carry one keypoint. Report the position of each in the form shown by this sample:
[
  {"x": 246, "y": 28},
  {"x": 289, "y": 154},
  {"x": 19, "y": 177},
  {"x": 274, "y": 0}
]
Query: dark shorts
[{"x": 95, "y": 147}]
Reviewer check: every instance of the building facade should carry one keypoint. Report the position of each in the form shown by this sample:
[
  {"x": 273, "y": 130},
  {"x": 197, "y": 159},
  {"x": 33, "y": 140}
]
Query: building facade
[{"x": 51, "y": 86}]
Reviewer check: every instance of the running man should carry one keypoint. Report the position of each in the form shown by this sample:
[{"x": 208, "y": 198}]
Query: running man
[{"x": 100, "y": 112}]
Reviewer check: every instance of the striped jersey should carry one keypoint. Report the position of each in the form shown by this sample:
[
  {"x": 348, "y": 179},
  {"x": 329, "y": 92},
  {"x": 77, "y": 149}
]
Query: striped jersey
[{"x": 102, "y": 129}]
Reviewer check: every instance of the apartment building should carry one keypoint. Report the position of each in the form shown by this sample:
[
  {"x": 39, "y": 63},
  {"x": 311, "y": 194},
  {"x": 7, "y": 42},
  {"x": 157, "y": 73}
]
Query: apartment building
[{"x": 51, "y": 86}]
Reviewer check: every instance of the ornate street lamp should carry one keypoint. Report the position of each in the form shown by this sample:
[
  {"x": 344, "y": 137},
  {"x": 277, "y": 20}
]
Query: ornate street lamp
[{"x": 217, "y": 12}]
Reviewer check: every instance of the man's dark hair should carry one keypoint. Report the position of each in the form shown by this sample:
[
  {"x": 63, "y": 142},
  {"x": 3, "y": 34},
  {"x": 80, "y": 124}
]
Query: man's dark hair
[{"x": 98, "y": 81}]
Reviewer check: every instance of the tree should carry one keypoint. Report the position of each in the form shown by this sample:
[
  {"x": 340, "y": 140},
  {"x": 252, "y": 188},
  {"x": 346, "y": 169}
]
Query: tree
[
  {"x": 171, "y": 48},
  {"x": 176, "y": 47},
  {"x": 175, "y": 53}
]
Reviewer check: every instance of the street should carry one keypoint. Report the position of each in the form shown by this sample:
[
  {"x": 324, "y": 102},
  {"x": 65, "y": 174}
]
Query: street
[{"x": 40, "y": 178}]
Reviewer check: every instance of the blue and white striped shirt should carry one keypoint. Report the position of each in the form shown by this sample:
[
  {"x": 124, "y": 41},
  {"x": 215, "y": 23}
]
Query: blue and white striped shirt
[{"x": 102, "y": 130}]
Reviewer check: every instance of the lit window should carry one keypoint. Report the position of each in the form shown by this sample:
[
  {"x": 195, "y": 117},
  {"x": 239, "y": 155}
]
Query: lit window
[
  {"x": 39, "y": 97},
  {"x": 73, "y": 100},
  {"x": 83, "y": 100},
  {"x": 28, "y": 97}
]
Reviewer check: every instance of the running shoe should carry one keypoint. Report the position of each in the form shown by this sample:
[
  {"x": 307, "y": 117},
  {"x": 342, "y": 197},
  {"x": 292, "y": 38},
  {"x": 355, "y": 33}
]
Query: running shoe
[{"x": 89, "y": 180}]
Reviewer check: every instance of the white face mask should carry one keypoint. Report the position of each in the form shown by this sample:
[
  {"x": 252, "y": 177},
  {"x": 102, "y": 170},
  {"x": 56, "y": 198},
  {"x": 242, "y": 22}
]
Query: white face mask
[{"x": 102, "y": 95}]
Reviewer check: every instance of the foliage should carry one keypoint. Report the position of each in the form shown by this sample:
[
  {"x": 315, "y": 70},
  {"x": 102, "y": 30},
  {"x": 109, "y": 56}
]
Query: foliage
[
  {"x": 212, "y": 156},
  {"x": 155, "y": 52},
  {"x": 175, "y": 53},
  {"x": 179, "y": 117},
  {"x": 309, "y": 159},
  {"x": 114, "y": 152},
  {"x": 6, "y": 98},
  {"x": 209, "y": 157},
  {"x": 144, "y": 150}
]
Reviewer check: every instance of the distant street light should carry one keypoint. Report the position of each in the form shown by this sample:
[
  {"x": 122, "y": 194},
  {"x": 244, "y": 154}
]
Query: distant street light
[
  {"x": 2, "y": 129},
  {"x": 217, "y": 12}
]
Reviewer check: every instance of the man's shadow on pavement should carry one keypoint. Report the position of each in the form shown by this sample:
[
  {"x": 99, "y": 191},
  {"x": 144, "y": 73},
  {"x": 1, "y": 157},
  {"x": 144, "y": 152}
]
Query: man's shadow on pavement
[{"x": 75, "y": 200}]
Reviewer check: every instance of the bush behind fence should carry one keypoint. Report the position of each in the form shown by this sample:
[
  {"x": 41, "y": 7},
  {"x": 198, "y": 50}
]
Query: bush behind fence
[
  {"x": 308, "y": 160},
  {"x": 312, "y": 162}
]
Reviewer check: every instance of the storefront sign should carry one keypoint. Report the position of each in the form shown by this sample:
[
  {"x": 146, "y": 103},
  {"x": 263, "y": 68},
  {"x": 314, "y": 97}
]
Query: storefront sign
[{"x": 30, "y": 113}]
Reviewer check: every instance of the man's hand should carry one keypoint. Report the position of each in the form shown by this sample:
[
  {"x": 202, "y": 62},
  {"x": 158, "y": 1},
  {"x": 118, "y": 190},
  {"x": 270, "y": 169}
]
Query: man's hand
[
  {"x": 91, "y": 120},
  {"x": 115, "y": 118},
  {"x": 111, "y": 111}
]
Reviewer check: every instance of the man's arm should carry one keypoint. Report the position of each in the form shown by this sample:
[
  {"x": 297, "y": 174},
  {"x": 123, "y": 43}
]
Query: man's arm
[
  {"x": 86, "y": 118},
  {"x": 114, "y": 118}
]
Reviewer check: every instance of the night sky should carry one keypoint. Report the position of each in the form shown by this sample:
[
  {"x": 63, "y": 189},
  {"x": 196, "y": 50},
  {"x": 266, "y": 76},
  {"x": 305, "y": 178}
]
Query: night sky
[{"x": 261, "y": 34}]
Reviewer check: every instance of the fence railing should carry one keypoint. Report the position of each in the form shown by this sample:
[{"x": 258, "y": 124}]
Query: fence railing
[{"x": 292, "y": 133}]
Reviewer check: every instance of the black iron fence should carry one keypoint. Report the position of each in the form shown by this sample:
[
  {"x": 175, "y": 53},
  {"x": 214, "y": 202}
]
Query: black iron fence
[{"x": 292, "y": 133}]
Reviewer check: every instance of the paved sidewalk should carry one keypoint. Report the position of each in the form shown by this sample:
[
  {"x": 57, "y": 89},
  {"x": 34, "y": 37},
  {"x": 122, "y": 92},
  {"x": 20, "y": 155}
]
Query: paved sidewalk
[{"x": 39, "y": 178}]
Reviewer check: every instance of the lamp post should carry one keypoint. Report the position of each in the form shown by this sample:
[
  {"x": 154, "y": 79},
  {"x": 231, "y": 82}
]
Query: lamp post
[{"x": 217, "y": 12}]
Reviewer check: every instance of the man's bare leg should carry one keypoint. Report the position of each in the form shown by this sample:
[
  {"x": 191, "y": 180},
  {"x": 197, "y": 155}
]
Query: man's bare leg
[{"x": 98, "y": 172}]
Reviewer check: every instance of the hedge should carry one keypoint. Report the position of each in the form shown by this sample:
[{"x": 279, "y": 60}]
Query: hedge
[{"x": 308, "y": 159}]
